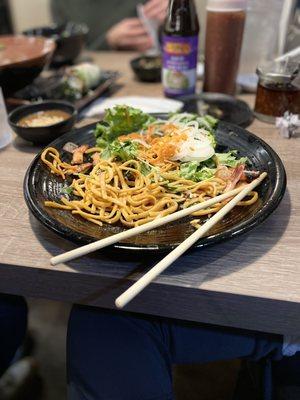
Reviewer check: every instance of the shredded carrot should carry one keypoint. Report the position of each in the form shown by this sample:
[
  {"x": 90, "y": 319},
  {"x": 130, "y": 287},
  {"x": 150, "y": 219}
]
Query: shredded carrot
[
  {"x": 163, "y": 148},
  {"x": 132, "y": 135}
]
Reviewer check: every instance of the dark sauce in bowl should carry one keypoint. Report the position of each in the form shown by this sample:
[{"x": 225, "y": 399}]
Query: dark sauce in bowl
[
  {"x": 275, "y": 100},
  {"x": 278, "y": 90}
]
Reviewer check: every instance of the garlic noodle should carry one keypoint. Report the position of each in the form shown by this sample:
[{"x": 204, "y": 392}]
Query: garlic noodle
[{"x": 151, "y": 183}]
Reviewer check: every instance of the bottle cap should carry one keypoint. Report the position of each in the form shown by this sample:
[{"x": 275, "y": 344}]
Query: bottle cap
[{"x": 226, "y": 5}]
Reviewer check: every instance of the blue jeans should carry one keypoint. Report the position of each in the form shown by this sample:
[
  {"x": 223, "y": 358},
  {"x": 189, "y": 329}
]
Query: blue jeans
[
  {"x": 119, "y": 356},
  {"x": 13, "y": 322}
]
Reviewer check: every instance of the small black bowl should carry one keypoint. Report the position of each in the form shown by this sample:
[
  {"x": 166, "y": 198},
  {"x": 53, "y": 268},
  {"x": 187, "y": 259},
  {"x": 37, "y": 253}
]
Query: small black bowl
[
  {"x": 45, "y": 134},
  {"x": 69, "y": 39},
  {"x": 143, "y": 73}
]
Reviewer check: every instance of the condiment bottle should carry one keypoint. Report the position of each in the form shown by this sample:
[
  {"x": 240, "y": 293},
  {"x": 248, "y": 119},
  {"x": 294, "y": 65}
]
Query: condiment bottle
[
  {"x": 180, "y": 48},
  {"x": 224, "y": 34},
  {"x": 278, "y": 90}
]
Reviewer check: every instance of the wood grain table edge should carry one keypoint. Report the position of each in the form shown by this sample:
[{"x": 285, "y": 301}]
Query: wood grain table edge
[
  {"x": 197, "y": 305},
  {"x": 217, "y": 303}
]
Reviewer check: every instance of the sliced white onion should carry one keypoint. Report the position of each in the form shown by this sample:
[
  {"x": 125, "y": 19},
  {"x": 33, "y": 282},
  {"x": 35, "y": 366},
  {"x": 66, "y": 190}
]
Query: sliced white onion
[{"x": 197, "y": 147}]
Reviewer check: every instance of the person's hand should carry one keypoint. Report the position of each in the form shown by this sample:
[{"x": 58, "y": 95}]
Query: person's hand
[
  {"x": 129, "y": 34},
  {"x": 156, "y": 9}
]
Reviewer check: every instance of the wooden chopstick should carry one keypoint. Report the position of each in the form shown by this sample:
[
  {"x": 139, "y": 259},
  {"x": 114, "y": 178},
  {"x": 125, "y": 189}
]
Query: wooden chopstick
[
  {"x": 139, "y": 285},
  {"x": 100, "y": 244}
]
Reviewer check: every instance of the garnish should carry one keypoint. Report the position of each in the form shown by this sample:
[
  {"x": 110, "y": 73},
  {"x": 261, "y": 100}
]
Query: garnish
[
  {"x": 123, "y": 151},
  {"x": 67, "y": 190},
  {"x": 118, "y": 121},
  {"x": 229, "y": 159}
]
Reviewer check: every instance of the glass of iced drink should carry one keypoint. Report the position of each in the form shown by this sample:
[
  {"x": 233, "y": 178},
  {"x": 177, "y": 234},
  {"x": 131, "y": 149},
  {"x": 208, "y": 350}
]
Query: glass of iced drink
[{"x": 224, "y": 35}]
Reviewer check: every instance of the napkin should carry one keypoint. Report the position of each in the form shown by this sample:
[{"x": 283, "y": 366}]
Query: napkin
[
  {"x": 146, "y": 104},
  {"x": 151, "y": 25},
  {"x": 288, "y": 125}
]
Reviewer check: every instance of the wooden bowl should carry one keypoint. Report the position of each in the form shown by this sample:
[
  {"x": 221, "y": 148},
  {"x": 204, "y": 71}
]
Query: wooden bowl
[{"x": 22, "y": 59}]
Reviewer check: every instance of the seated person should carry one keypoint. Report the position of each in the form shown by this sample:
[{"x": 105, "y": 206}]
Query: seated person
[
  {"x": 113, "y": 24},
  {"x": 121, "y": 356},
  {"x": 13, "y": 321}
]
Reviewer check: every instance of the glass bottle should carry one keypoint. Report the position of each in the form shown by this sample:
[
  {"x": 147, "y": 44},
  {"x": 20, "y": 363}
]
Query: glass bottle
[{"x": 180, "y": 48}]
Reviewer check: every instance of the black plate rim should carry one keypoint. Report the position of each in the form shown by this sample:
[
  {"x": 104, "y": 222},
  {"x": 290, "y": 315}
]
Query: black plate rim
[
  {"x": 241, "y": 228},
  {"x": 215, "y": 96}
]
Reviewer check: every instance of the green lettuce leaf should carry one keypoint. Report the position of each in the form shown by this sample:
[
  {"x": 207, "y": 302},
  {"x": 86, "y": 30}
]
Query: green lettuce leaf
[
  {"x": 123, "y": 151},
  {"x": 196, "y": 171},
  {"x": 67, "y": 190},
  {"x": 210, "y": 163},
  {"x": 145, "y": 169},
  {"x": 120, "y": 120},
  {"x": 188, "y": 169},
  {"x": 205, "y": 173},
  {"x": 212, "y": 138},
  {"x": 171, "y": 188},
  {"x": 229, "y": 159},
  {"x": 207, "y": 121}
]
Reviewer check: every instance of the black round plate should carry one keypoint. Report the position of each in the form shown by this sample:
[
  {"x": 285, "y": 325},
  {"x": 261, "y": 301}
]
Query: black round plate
[
  {"x": 221, "y": 106},
  {"x": 41, "y": 185}
]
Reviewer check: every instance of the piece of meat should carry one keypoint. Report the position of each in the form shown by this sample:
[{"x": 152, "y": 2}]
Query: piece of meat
[
  {"x": 70, "y": 147},
  {"x": 96, "y": 158},
  {"x": 235, "y": 177},
  {"x": 223, "y": 173},
  {"x": 82, "y": 167},
  {"x": 78, "y": 154}
]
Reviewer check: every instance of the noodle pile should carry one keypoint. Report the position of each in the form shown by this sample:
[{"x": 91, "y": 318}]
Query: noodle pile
[{"x": 113, "y": 192}]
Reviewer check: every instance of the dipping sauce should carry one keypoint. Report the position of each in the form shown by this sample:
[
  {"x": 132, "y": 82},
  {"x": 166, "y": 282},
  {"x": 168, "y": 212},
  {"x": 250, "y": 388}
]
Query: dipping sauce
[
  {"x": 43, "y": 118},
  {"x": 278, "y": 90},
  {"x": 224, "y": 34},
  {"x": 275, "y": 101}
]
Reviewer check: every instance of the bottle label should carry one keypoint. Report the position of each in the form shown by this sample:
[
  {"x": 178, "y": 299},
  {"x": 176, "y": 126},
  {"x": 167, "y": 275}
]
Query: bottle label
[{"x": 179, "y": 73}]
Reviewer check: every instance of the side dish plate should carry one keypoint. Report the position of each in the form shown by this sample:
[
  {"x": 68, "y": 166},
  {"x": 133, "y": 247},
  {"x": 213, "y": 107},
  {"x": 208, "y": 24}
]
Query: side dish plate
[{"x": 41, "y": 185}]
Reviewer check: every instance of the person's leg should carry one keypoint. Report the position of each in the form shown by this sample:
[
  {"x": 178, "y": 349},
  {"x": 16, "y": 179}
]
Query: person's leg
[
  {"x": 287, "y": 371},
  {"x": 13, "y": 322},
  {"x": 116, "y": 356},
  {"x": 111, "y": 356},
  {"x": 194, "y": 343}
]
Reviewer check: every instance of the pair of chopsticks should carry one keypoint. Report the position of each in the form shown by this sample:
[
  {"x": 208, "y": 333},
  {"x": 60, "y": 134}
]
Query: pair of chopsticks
[{"x": 139, "y": 285}]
